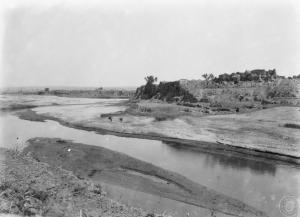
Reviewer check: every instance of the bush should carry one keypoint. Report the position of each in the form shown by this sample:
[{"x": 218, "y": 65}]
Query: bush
[
  {"x": 290, "y": 125},
  {"x": 144, "y": 109},
  {"x": 157, "y": 118}
]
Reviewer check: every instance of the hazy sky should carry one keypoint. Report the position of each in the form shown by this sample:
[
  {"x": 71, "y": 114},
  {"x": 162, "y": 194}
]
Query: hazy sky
[{"x": 118, "y": 43}]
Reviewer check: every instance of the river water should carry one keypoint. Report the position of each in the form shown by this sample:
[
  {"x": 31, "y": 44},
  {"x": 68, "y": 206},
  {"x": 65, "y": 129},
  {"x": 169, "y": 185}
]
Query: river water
[{"x": 257, "y": 182}]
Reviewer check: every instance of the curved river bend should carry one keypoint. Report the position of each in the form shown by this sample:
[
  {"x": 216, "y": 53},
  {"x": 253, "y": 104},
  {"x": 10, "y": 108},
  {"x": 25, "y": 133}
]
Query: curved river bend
[{"x": 260, "y": 184}]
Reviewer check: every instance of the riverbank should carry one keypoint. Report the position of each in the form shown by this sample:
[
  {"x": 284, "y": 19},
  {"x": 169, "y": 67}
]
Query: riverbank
[
  {"x": 219, "y": 170},
  {"x": 32, "y": 188},
  {"x": 54, "y": 177},
  {"x": 104, "y": 93},
  {"x": 254, "y": 128},
  {"x": 99, "y": 165}
]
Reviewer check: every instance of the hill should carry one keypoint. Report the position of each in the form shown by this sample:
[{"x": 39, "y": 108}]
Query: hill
[{"x": 227, "y": 92}]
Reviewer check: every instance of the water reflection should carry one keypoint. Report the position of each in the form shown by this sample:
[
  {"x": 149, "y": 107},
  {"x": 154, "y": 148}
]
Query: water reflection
[{"x": 230, "y": 160}]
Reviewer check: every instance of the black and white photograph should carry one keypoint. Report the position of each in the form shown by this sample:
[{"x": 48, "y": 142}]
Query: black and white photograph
[{"x": 150, "y": 108}]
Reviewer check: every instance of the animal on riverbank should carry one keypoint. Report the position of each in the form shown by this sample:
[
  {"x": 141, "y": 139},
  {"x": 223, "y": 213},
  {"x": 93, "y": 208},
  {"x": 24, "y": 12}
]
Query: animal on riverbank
[
  {"x": 110, "y": 118},
  {"x": 121, "y": 119}
]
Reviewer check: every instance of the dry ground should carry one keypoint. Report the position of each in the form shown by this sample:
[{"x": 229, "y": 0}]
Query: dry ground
[{"x": 32, "y": 188}]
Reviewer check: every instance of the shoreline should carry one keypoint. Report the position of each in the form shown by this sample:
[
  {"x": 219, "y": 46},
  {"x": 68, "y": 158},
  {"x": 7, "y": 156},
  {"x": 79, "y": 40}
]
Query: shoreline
[
  {"x": 189, "y": 144},
  {"x": 69, "y": 95},
  {"x": 32, "y": 188},
  {"x": 100, "y": 165}
]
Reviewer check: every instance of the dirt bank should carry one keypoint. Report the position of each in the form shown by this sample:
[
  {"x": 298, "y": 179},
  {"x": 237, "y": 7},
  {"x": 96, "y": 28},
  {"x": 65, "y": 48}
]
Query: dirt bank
[
  {"x": 103, "y": 165},
  {"x": 30, "y": 188}
]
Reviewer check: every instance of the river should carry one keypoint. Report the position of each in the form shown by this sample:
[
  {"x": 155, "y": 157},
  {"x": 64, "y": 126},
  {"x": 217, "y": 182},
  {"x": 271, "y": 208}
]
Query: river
[{"x": 257, "y": 182}]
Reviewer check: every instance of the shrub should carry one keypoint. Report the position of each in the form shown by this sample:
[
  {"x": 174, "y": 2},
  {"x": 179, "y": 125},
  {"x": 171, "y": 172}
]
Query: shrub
[
  {"x": 144, "y": 109},
  {"x": 160, "y": 118},
  {"x": 290, "y": 125}
]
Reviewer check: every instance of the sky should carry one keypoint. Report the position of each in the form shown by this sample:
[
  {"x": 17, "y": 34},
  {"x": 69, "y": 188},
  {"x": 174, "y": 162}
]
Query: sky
[{"x": 119, "y": 42}]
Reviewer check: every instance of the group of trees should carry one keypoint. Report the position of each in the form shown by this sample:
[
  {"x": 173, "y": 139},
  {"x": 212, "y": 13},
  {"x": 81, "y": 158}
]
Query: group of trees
[
  {"x": 208, "y": 77},
  {"x": 295, "y": 77},
  {"x": 254, "y": 75},
  {"x": 150, "y": 89},
  {"x": 257, "y": 75}
]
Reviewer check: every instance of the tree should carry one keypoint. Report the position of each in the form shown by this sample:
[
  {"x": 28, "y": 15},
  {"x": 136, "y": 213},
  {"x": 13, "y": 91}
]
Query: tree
[
  {"x": 150, "y": 87},
  {"x": 236, "y": 78},
  {"x": 210, "y": 77},
  {"x": 205, "y": 76},
  {"x": 150, "y": 79}
]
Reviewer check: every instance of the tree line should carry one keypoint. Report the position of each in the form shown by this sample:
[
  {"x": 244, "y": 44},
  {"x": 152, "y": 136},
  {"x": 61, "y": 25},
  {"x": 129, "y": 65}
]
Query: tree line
[{"x": 257, "y": 75}]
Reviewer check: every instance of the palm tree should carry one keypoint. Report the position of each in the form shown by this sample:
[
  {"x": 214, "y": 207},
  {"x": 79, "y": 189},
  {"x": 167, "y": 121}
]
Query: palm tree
[
  {"x": 150, "y": 79},
  {"x": 150, "y": 88},
  {"x": 205, "y": 76}
]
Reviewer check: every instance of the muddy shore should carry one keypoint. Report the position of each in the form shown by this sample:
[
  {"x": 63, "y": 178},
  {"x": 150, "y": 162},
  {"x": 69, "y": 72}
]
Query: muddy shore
[
  {"x": 194, "y": 145},
  {"x": 99, "y": 164}
]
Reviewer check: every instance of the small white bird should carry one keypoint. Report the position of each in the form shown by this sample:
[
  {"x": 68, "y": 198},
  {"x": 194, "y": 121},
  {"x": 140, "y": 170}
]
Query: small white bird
[{"x": 69, "y": 150}]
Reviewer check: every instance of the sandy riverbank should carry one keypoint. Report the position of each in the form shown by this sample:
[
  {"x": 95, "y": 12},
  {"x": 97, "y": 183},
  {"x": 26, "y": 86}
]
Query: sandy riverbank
[{"x": 103, "y": 165}]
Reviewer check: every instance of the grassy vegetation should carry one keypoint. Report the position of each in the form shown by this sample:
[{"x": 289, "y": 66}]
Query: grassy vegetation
[{"x": 159, "y": 111}]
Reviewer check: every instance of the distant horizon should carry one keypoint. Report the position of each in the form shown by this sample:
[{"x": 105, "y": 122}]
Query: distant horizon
[
  {"x": 67, "y": 86},
  {"x": 117, "y": 43},
  {"x": 125, "y": 87}
]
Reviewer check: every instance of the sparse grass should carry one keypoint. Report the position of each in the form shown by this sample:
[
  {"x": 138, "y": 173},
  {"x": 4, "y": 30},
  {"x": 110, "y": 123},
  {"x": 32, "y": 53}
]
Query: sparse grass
[
  {"x": 30, "y": 188},
  {"x": 16, "y": 150},
  {"x": 228, "y": 101},
  {"x": 160, "y": 111}
]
